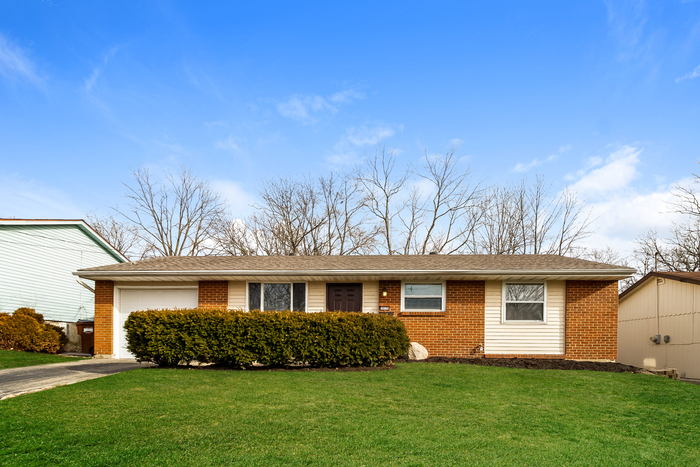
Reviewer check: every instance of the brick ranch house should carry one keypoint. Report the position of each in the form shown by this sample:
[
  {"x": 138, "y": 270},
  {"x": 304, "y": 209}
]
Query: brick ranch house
[{"x": 458, "y": 306}]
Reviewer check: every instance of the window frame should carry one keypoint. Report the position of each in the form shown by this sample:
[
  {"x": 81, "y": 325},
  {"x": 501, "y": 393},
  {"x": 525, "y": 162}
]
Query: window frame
[
  {"x": 504, "y": 302},
  {"x": 291, "y": 293},
  {"x": 443, "y": 284}
]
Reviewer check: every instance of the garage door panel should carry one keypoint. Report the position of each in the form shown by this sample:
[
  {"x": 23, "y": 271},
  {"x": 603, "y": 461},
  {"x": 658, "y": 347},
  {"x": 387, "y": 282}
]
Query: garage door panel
[{"x": 149, "y": 299}]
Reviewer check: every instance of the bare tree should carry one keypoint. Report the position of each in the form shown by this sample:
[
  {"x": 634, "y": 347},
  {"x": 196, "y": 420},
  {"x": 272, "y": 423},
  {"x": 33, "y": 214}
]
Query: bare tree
[
  {"x": 345, "y": 228},
  {"x": 527, "y": 219},
  {"x": 234, "y": 238},
  {"x": 605, "y": 255},
  {"x": 381, "y": 187},
  {"x": 308, "y": 217},
  {"x": 680, "y": 251},
  {"x": 291, "y": 212},
  {"x": 453, "y": 209},
  {"x": 381, "y": 208},
  {"x": 608, "y": 255},
  {"x": 174, "y": 218},
  {"x": 572, "y": 221},
  {"x": 500, "y": 231},
  {"x": 123, "y": 236}
]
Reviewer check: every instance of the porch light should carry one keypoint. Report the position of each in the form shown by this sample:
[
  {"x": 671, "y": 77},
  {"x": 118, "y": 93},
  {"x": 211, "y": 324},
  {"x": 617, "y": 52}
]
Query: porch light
[{"x": 384, "y": 292}]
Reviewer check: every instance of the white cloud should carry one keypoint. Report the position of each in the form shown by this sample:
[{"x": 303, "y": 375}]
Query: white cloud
[
  {"x": 239, "y": 201},
  {"x": 303, "y": 108},
  {"x": 308, "y": 109},
  {"x": 231, "y": 144},
  {"x": 622, "y": 217},
  {"x": 90, "y": 81},
  {"x": 347, "y": 96},
  {"x": 619, "y": 170},
  {"x": 364, "y": 136},
  {"x": 219, "y": 123},
  {"x": 693, "y": 74},
  {"x": 522, "y": 167},
  {"x": 15, "y": 63},
  {"x": 26, "y": 198},
  {"x": 424, "y": 187},
  {"x": 622, "y": 211},
  {"x": 347, "y": 150},
  {"x": 629, "y": 26}
]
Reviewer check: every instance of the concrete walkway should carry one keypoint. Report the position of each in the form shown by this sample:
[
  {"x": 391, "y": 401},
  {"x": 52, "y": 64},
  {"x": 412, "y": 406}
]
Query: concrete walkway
[{"x": 16, "y": 381}]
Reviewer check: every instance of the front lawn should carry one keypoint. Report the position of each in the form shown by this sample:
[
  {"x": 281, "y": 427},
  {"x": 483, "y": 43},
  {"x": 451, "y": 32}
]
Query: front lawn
[
  {"x": 15, "y": 359},
  {"x": 418, "y": 414}
]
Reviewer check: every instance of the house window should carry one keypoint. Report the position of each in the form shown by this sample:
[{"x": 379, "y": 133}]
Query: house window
[
  {"x": 277, "y": 296},
  {"x": 423, "y": 297},
  {"x": 524, "y": 302}
]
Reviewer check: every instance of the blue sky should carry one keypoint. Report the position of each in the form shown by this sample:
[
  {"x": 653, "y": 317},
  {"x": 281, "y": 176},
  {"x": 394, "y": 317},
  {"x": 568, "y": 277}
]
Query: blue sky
[{"x": 600, "y": 96}]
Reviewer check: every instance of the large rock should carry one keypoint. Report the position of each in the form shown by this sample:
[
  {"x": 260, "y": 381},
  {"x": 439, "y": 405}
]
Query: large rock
[{"x": 417, "y": 352}]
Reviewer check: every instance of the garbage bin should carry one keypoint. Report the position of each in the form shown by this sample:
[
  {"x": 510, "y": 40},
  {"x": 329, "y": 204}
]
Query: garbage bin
[{"x": 86, "y": 329}]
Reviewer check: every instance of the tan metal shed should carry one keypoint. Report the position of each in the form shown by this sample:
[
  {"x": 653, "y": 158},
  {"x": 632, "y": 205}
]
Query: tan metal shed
[{"x": 667, "y": 305}]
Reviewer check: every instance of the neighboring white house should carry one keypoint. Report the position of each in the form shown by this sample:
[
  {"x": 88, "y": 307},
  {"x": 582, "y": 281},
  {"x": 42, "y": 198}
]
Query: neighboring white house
[
  {"x": 37, "y": 258},
  {"x": 659, "y": 323}
]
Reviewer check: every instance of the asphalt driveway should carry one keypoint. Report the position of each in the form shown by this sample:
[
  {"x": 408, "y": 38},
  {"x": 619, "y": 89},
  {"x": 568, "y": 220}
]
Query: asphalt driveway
[{"x": 16, "y": 381}]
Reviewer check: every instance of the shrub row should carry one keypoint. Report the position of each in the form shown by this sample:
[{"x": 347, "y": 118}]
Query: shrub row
[
  {"x": 237, "y": 338},
  {"x": 25, "y": 329}
]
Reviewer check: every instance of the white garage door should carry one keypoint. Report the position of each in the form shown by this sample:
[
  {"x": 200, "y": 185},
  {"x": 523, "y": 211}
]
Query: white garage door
[{"x": 148, "y": 299}]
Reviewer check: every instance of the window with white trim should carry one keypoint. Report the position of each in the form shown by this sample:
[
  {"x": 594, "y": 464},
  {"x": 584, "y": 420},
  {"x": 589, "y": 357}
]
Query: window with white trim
[
  {"x": 524, "y": 302},
  {"x": 277, "y": 296},
  {"x": 423, "y": 297}
]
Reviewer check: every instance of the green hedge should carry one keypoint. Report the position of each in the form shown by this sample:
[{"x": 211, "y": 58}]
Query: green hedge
[{"x": 237, "y": 338}]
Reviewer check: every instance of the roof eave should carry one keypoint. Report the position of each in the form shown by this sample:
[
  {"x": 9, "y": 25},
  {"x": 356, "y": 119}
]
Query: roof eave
[
  {"x": 612, "y": 274},
  {"x": 630, "y": 290}
]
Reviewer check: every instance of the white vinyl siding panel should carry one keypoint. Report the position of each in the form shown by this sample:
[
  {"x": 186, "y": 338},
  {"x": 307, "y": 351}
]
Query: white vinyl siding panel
[
  {"x": 316, "y": 294},
  {"x": 370, "y": 297},
  {"x": 36, "y": 266},
  {"x": 236, "y": 295},
  {"x": 525, "y": 338}
]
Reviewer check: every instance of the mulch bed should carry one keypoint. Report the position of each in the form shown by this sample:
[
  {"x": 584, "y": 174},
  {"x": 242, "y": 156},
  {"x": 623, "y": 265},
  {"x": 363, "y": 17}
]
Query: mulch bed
[
  {"x": 534, "y": 364},
  {"x": 529, "y": 363},
  {"x": 388, "y": 366}
]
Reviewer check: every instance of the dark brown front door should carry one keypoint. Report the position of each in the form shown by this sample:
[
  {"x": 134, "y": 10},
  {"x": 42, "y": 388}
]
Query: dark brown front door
[{"x": 344, "y": 297}]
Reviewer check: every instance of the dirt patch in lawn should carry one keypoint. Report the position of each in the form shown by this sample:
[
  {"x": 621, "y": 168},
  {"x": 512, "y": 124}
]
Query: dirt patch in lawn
[{"x": 536, "y": 364}]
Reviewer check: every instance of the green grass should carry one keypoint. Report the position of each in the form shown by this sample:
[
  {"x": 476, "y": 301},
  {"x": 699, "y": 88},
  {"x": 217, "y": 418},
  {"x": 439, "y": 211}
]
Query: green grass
[
  {"x": 418, "y": 414},
  {"x": 15, "y": 359}
]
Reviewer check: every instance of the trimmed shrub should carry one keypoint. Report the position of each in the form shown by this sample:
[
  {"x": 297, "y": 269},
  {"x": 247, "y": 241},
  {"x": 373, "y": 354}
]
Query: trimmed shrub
[
  {"x": 26, "y": 330},
  {"x": 278, "y": 338}
]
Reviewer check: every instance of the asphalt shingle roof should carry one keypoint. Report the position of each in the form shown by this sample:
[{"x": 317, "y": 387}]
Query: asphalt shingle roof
[{"x": 361, "y": 263}]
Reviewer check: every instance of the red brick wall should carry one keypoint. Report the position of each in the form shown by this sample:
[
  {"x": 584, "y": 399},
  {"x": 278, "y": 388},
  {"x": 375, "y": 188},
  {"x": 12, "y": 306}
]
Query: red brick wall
[
  {"x": 104, "y": 323},
  {"x": 458, "y": 332},
  {"x": 591, "y": 320},
  {"x": 213, "y": 294}
]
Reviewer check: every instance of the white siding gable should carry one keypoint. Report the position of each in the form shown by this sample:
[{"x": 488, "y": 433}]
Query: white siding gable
[{"x": 36, "y": 266}]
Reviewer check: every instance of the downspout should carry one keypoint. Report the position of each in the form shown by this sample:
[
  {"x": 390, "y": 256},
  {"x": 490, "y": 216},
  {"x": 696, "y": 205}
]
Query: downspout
[{"x": 77, "y": 279}]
